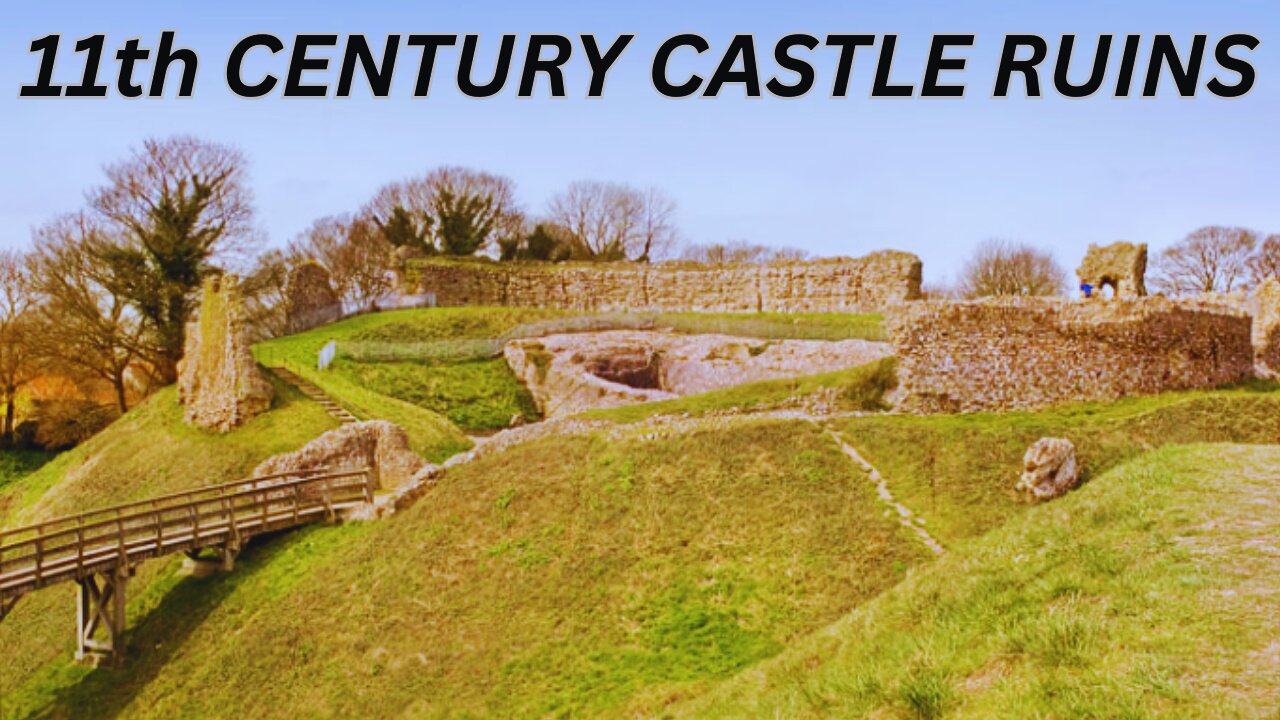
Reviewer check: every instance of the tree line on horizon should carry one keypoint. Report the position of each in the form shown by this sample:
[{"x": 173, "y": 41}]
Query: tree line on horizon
[
  {"x": 103, "y": 297},
  {"x": 1212, "y": 259}
]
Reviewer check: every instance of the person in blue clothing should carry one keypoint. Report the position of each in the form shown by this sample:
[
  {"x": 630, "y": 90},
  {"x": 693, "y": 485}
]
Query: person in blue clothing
[{"x": 1087, "y": 290}]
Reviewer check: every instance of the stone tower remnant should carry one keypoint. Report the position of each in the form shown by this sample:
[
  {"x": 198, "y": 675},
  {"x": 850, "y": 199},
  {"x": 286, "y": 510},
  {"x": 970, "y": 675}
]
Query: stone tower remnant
[
  {"x": 218, "y": 379},
  {"x": 1266, "y": 324},
  {"x": 1121, "y": 266},
  {"x": 310, "y": 300}
]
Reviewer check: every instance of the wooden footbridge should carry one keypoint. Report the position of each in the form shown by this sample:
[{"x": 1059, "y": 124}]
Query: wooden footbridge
[{"x": 100, "y": 550}]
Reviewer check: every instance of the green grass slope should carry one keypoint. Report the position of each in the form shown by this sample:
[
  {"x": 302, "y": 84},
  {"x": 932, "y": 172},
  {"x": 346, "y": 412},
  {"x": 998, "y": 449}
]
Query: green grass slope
[
  {"x": 474, "y": 394},
  {"x": 958, "y": 471},
  {"x": 1151, "y": 592},
  {"x": 385, "y": 369},
  {"x": 16, "y": 464},
  {"x": 570, "y": 577},
  {"x": 148, "y": 451},
  {"x": 151, "y": 451}
]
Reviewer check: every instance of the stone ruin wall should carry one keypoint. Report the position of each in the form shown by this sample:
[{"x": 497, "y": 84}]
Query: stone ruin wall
[
  {"x": 218, "y": 379},
  {"x": 859, "y": 285},
  {"x": 1120, "y": 265},
  {"x": 1027, "y": 353},
  {"x": 1265, "y": 304}
]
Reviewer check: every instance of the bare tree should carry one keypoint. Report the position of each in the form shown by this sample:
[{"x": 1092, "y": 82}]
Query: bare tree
[
  {"x": 1211, "y": 259},
  {"x": 85, "y": 315},
  {"x": 263, "y": 292},
  {"x": 354, "y": 251},
  {"x": 1001, "y": 267},
  {"x": 175, "y": 207},
  {"x": 364, "y": 262},
  {"x": 17, "y": 306},
  {"x": 606, "y": 218},
  {"x": 1265, "y": 263},
  {"x": 658, "y": 233}
]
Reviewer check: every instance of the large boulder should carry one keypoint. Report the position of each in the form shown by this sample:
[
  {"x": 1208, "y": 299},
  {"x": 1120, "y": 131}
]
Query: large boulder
[
  {"x": 218, "y": 380},
  {"x": 1049, "y": 469},
  {"x": 377, "y": 444}
]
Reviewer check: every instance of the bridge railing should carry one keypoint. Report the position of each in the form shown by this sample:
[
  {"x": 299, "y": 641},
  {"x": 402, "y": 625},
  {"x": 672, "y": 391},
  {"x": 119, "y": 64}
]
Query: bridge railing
[{"x": 70, "y": 547}]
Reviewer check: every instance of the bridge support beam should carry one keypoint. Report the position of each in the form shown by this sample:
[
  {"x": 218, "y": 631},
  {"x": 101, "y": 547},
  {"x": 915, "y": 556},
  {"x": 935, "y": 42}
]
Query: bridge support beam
[
  {"x": 224, "y": 559},
  {"x": 100, "y": 606},
  {"x": 6, "y": 605}
]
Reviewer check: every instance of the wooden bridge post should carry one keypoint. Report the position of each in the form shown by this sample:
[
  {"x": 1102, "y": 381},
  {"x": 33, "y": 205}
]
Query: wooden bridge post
[
  {"x": 6, "y": 604},
  {"x": 100, "y": 604}
]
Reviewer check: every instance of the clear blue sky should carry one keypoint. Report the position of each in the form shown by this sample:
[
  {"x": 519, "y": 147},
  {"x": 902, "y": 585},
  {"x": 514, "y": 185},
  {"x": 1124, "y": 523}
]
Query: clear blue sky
[{"x": 834, "y": 176}]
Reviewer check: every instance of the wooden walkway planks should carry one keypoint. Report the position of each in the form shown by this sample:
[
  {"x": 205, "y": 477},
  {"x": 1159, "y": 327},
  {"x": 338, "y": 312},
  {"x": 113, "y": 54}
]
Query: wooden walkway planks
[{"x": 99, "y": 549}]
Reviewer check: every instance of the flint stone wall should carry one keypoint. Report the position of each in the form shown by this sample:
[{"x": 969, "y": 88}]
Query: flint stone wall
[
  {"x": 1027, "y": 353},
  {"x": 860, "y": 285},
  {"x": 1266, "y": 324},
  {"x": 218, "y": 379}
]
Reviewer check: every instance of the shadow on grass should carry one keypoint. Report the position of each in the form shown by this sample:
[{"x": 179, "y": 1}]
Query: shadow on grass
[{"x": 150, "y": 644}]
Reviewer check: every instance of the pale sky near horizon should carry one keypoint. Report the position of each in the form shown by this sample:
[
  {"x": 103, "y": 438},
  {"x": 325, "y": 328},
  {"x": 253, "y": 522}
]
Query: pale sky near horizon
[{"x": 833, "y": 176}]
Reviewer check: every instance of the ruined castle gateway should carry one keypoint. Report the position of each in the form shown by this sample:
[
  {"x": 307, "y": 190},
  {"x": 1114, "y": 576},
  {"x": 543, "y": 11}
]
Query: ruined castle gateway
[
  {"x": 218, "y": 380},
  {"x": 859, "y": 285},
  {"x": 1026, "y": 353},
  {"x": 1121, "y": 266}
]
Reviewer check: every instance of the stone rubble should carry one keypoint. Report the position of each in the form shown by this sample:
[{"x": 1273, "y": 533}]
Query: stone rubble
[
  {"x": 569, "y": 373},
  {"x": 377, "y": 444}
]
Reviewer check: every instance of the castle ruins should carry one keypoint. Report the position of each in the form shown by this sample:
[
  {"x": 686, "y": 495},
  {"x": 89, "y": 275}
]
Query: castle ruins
[
  {"x": 1120, "y": 266},
  {"x": 218, "y": 381},
  {"x": 1023, "y": 353},
  {"x": 857, "y": 285}
]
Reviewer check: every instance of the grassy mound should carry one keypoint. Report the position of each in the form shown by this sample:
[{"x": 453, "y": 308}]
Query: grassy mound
[
  {"x": 444, "y": 360},
  {"x": 151, "y": 451},
  {"x": 566, "y": 577},
  {"x": 959, "y": 470},
  {"x": 472, "y": 393},
  {"x": 1150, "y": 592},
  {"x": 148, "y": 451}
]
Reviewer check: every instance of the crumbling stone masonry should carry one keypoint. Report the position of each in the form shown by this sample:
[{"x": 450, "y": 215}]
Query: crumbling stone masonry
[
  {"x": 1120, "y": 265},
  {"x": 1023, "y": 353},
  {"x": 375, "y": 444},
  {"x": 1266, "y": 324},
  {"x": 573, "y": 372},
  {"x": 866, "y": 284},
  {"x": 309, "y": 298},
  {"x": 218, "y": 380}
]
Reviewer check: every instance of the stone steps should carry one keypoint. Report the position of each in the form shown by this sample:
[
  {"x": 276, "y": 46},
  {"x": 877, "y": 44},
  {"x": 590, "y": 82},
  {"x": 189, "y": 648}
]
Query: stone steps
[{"x": 317, "y": 395}]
